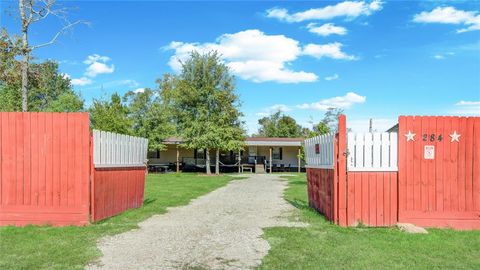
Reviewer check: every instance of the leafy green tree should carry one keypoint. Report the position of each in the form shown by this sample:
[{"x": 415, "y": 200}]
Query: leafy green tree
[
  {"x": 331, "y": 118},
  {"x": 111, "y": 115},
  {"x": 327, "y": 124},
  {"x": 66, "y": 102},
  {"x": 204, "y": 104},
  {"x": 32, "y": 12},
  {"x": 279, "y": 125},
  {"x": 49, "y": 90},
  {"x": 150, "y": 118}
]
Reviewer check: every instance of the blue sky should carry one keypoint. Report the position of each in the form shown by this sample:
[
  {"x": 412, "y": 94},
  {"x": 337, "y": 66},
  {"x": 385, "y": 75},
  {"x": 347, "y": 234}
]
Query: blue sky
[{"x": 374, "y": 59}]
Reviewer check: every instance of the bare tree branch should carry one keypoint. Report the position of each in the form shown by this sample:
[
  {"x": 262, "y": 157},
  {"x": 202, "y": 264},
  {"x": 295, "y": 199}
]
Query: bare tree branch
[{"x": 65, "y": 28}]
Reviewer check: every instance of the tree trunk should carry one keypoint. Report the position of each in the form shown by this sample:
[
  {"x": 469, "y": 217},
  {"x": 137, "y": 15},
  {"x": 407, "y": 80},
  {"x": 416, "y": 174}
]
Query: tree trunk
[
  {"x": 25, "y": 56},
  {"x": 24, "y": 63},
  {"x": 207, "y": 161},
  {"x": 217, "y": 161}
]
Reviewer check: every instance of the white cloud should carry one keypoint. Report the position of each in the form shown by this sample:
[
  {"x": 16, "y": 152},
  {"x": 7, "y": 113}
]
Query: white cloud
[
  {"x": 98, "y": 68},
  {"x": 129, "y": 83},
  {"x": 349, "y": 9},
  {"x": 326, "y": 29},
  {"x": 251, "y": 55},
  {"x": 65, "y": 75},
  {"x": 342, "y": 102},
  {"x": 96, "y": 58},
  {"x": 273, "y": 109},
  {"x": 450, "y": 15},
  {"x": 81, "y": 81},
  {"x": 330, "y": 50},
  {"x": 467, "y": 108},
  {"x": 333, "y": 77},
  {"x": 441, "y": 56},
  {"x": 139, "y": 90},
  {"x": 467, "y": 103},
  {"x": 97, "y": 65}
]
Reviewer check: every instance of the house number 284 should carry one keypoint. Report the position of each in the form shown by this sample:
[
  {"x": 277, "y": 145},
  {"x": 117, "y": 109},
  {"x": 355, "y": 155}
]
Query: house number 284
[{"x": 432, "y": 137}]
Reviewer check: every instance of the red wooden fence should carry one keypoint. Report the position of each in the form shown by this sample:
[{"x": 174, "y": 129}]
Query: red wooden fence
[
  {"x": 44, "y": 168},
  {"x": 116, "y": 190},
  {"x": 47, "y": 174},
  {"x": 372, "y": 198},
  {"x": 321, "y": 191},
  {"x": 437, "y": 183},
  {"x": 443, "y": 189}
]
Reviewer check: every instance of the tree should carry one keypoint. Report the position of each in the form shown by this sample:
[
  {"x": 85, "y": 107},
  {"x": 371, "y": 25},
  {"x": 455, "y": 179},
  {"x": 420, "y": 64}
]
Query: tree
[
  {"x": 150, "y": 118},
  {"x": 331, "y": 118},
  {"x": 111, "y": 115},
  {"x": 279, "y": 125},
  {"x": 328, "y": 124},
  {"x": 49, "y": 89},
  {"x": 204, "y": 104},
  {"x": 66, "y": 102},
  {"x": 32, "y": 11}
]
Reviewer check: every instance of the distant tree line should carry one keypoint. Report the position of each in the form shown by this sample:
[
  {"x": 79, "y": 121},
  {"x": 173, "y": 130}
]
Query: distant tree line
[{"x": 281, "y": 125}]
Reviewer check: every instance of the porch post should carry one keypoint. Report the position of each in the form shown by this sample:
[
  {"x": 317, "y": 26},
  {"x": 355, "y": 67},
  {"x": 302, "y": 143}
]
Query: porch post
[
  {"x": 178, "y": 157},
  {"x": 299, "y": 161},
  {"x": 270, "y": 160},
  {"x": 239, "y": 160}
]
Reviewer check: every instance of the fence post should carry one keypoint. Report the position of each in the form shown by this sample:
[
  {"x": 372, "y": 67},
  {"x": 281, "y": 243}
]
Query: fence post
[{"x": 342, "y": 170}]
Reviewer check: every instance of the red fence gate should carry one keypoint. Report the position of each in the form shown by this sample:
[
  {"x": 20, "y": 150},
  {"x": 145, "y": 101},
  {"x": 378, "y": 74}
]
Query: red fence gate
[
  {"x": 118, "y": 173},
  {"x": 432, "y": 180},
  {"x": 47, "y": 175}
]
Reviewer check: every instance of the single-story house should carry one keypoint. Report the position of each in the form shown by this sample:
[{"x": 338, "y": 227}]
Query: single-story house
[{"x": 260, "y": 154}]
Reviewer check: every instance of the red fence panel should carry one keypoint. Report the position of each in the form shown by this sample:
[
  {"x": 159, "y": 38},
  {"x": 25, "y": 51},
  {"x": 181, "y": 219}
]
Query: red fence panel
[
  {"x": 44, "y": 168},
  {"x": 321, "y": 191},
  {"x": 116, "y": 190},
  {"x": 439, "y": 171},
  {"x": 372, "y": 198}
]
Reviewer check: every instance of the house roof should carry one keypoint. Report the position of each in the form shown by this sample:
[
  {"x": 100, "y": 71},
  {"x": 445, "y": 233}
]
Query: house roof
[
  {"x": 254, "y": 141},
  {"x": 173, "y": 140},
  {"x": 273, "y": 141}
]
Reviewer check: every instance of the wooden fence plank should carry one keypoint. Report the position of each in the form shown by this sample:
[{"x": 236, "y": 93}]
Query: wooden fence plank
[
  {"x": 476, "y": 166},
  {"x": 469, "y": 160}
]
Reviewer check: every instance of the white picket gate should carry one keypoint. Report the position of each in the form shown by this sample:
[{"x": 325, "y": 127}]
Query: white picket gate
[
  {"x": 372, "y": 151},
  {"x": 118, "y": 150},
  {"x": 319, "y": 151}
]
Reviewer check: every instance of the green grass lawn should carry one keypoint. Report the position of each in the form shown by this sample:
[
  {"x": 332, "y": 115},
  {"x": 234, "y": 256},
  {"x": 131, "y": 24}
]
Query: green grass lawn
[
  {"x": 73, "y": 247},
  {"x": 326, "y": 246}
]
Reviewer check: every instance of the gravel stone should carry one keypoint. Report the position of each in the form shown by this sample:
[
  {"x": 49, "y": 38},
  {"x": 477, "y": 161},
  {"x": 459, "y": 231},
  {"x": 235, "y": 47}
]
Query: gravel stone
[{"x": 220, "y": 230}]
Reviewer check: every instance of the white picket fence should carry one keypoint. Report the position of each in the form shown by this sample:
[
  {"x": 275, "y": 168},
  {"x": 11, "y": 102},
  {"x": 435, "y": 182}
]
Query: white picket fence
[
  {"x": 117, "y": 150},
  {"x": 319, "y": 151},
  {"x": 372, "y": 151}
]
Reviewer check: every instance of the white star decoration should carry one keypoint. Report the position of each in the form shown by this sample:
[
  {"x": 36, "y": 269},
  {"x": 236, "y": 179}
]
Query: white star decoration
[
  {"x": 410, "y": 136},
  {"x": 455, "y": 136}
]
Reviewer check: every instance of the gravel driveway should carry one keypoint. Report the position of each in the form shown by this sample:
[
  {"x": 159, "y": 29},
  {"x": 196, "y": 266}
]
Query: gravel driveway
[{"x": 221, "y": 230}]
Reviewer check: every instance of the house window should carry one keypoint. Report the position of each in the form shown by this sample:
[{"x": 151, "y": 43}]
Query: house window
[
  {"x": 277, "y": 153},
  {"x": 154, "y": 154}
]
